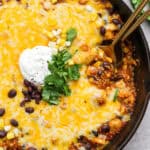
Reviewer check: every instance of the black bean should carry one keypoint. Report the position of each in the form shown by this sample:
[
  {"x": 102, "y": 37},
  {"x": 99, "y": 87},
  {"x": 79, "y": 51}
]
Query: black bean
[
  {"x": 95, "y": 133},
  {"x": 14, "y": 122},
  {"x": 99, "y": 14},
  {"x": 33, "y": 94},
  {"x": 30, "y": 89},
  {"x": 31, "y": 148},
  {"x": 106, "y": 42},
  {"x": 34, "y": 87},
  {"x": 2, "y": 133},
  {"x": 107, "y": 65},
  {"x": 116, "y": 77},
  {"x": 27, "y": 83},
  {"x": 37, "y": 97},
  {"x": 120, "y": 117},
  {"x": 102, "y": 30},
  {"x": 29, "y": 110},
  {"x": 25, "y": 93},
  {"x": 22, "y": 104},
  {"x": 37, "y": 101},
  {"x": 116, "y": 21},
  {"x": 100, "y": 72},
  {"x": 105, "y": 128},
  {"x": 2, "y": 111},
  {"x": 110, "y": 10},
  {"x": 23, "y": 147},
  {"x": 88, "y": 146},
  {"x": 27, "y": 99},
  {"x": 95, "y": 78},
  {"x": 81, "y": 138},
  {"x": 12, "y": 93}
]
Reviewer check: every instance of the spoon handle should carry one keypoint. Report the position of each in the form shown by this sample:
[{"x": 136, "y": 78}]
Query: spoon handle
[
  {"x": 129, "y": 22},
  {"x": 136, "y": 24}
]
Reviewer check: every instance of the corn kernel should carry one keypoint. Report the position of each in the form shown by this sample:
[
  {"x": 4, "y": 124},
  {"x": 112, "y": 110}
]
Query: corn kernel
[
  {"x": 99, "y": 23},
  {"x": 101, "y": 53},
  {"x": 91, "y": 79},
  {"x": 49, "y": 34},
  {"x": 109, "y": 59},
  {"x": 97, "y": 64},
  {"x": 70, "y": 62},
  {"x": 126, "y": 50},
  {"x": 56, "y": 33},
  {"x": 99, "y": 141},
  {"x": 126, "y": 118},
  {"x": 68, "y": 43},
  {"x": 1, "y": 123},
  {"x": 10, "y": 135},
  {"x": 60, "y": 42},
  {"x": 57, "y": 46},
  {"x": 61, "y": 48},
  {"x": 94, "y": 16},
  {"x": 89, "y": 8},
  {"x": 63, "y": 35},
  {"x": 16, "y": 132}
]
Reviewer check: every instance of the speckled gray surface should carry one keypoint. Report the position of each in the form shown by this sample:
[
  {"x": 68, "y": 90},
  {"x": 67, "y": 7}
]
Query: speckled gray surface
[{"x": 141, "y": 139}]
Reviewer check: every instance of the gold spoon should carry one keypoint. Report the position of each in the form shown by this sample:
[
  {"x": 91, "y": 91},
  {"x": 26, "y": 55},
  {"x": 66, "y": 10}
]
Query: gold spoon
[
  {"x": 114, "y": 50},
  {"x": 140, "y": 20}
]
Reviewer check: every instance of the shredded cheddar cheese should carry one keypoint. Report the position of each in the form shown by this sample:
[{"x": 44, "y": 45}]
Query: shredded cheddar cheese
[{"x": 27, "y": 24}]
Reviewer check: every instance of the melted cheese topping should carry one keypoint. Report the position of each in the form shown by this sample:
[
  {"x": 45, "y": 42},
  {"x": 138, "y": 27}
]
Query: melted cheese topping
[{"x": 54, "y": 127}]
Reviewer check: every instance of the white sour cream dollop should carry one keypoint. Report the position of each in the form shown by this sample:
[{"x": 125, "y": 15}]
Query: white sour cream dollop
[{"x": 34, "y": 63}]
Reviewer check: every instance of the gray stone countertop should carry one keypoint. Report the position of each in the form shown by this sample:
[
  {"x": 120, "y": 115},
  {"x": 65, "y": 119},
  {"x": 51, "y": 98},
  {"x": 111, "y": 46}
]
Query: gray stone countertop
[{"x": 141, "y": 139}]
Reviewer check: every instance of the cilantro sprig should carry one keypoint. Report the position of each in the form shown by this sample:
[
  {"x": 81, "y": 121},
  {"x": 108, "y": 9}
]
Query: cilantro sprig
[
  {"x": 71, "y": 34},
  {"x": 56, "y": 84},
  {"x": 115, "y": 94}
]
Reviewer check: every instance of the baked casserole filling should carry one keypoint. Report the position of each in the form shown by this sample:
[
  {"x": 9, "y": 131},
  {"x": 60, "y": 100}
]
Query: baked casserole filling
[{"x": 97, "y": 99}]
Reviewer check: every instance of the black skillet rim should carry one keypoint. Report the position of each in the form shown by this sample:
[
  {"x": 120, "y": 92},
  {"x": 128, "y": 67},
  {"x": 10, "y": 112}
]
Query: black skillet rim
[{"x": 146, "y": 102}]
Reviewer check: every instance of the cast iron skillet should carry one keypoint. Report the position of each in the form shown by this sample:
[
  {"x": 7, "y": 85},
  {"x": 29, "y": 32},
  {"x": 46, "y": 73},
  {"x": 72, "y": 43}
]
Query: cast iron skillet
[{"x": 142, "y": 81}]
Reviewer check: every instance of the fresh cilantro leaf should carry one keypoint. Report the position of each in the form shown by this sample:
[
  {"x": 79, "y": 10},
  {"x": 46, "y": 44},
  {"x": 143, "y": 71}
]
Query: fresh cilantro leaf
[
  {"x": 71, "y": 34},
  {"x": 45, "y": 93},
  {"x": 50, "y": 96},
  {"x": 116, "y": 94},
  {"x": 56, "y": 84},
  {"x": 73, "y": 72},
  {"x": 66, "y": 90}
]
